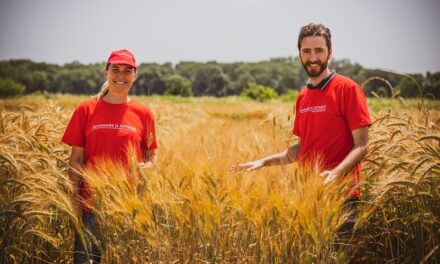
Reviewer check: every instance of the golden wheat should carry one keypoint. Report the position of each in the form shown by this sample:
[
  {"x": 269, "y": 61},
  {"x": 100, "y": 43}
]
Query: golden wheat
[{"x": 190, "y": 209}]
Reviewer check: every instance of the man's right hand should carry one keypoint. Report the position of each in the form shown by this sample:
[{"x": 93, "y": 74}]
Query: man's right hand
[{"x": 248, "y": 166}]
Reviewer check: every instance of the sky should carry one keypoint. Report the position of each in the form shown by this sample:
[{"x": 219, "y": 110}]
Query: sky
[{"x": 397, "y": 35}]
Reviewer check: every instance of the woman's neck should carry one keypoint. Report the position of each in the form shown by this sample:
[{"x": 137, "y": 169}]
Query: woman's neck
[{"x": 114, "y": 98}]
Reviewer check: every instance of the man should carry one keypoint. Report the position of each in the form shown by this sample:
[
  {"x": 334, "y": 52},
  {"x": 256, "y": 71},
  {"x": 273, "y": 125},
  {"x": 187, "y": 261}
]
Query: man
[{"x": 331, "y": 120}]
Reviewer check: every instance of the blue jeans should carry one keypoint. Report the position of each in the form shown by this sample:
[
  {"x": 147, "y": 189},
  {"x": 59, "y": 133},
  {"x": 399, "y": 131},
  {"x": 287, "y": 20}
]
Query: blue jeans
[{"x": 81, "y": 255}]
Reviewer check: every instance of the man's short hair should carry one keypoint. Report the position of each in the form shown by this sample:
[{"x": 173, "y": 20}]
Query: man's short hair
[{"x": 315, "y": 30}]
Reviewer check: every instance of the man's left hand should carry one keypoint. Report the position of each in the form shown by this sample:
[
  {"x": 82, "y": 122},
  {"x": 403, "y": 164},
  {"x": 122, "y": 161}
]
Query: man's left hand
[{"x": 329, "y": 176}]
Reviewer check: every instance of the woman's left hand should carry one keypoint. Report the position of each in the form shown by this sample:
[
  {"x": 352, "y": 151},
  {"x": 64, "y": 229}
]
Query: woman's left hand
[{"x": 146, "y": 165}]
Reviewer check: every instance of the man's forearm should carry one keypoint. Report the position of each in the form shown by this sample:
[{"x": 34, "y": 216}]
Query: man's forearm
[
  {"x": 285, "y": 157},
  {"x": 350, "y": 161}
]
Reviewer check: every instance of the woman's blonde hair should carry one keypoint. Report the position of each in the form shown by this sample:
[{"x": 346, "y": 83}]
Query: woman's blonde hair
[
  {"x": 104, "y": 87},
  {"x": 103, "y": 91}
]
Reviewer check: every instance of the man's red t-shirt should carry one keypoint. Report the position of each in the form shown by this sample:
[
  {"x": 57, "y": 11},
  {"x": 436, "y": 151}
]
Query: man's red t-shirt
[
  {"x": 325, "y": 118},
  {"x": 106, "y": 130}
]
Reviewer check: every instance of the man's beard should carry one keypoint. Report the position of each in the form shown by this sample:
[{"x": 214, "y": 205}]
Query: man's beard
[{"x": 315, "y": 72}]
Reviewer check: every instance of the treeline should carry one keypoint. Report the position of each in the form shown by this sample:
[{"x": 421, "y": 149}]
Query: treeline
[{"x": 278, "y": 75}]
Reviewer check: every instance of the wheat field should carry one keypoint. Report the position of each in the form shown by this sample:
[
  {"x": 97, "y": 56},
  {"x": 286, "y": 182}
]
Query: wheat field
[{"x": 190, "y": 208}]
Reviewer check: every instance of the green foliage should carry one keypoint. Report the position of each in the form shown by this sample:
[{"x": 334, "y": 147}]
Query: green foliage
[
  {"x": 206, "y": 79},
  {"x": 178, "y": 85},
  {"x": 382, "y": 92},
  {"x": 431, "y": 85},
  {"x": 9, "y": 88},
  {"x": 410, "y": 86},
  {"x": 212, "y": 78},
  {"x": 79, "y": 80},
  {"x": 151, "y": 79},
  {"x": 290, "y": 96},
  {"x": 259, "y": 92},
  {"x": 281, "y": 74},
  {"x": 345, "y": 67},
  {"x": 377, "y": 81}
]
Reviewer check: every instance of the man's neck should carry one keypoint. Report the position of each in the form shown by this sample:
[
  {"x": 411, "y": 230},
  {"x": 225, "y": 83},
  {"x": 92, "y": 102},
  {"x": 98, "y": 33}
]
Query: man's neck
[{"x": 316, "y": 80}]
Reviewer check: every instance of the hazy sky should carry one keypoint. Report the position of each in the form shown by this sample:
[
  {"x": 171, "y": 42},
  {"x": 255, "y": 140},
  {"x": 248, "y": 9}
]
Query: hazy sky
[{"x": 400, "y": 35}]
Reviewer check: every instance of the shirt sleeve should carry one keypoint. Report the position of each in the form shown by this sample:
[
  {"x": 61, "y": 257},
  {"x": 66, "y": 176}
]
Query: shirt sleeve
[
  {"x": 149, "y": 139},
  {"x": 74, "y": 135},
  {"x": 356, "y": 108}
]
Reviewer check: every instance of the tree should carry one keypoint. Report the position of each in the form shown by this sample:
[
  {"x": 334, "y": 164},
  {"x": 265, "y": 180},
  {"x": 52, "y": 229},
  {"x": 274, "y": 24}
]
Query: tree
[
  {"x": 9, "y": 88},
  {"x": 206, "y": 79},
  {"x": 431, "y": 85},
  {"x": 211, "y": 78},
  {"x": 178, "y": 85},
  {"x": 241, "y": 83},
  {"x": 78, "y": 80},
  {"x": 151, "y": 79},
  {"x": 410, "y": 86},
  {"x": 259, "y": 92},
  {"x": 345, "y": 67},
  {"x": 39, "y": 82}
]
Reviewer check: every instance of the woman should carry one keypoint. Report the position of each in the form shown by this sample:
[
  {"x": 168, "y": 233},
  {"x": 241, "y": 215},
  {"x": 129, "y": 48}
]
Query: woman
[{"x": 104, "y": 127}]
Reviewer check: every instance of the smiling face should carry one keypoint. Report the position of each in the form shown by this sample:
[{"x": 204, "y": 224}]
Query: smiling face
[
  {"x": 315, "y": 55},
  {"x": 120, "y": 78}
]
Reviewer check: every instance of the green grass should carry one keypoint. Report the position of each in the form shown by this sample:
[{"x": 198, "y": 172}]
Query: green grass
[{"x": 375, "y": 104}]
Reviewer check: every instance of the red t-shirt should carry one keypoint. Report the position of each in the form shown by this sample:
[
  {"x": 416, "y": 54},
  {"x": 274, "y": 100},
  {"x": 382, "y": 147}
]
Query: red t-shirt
[
  {"x": 105, "y": 130},
  {"x": 324, "y": 120}
]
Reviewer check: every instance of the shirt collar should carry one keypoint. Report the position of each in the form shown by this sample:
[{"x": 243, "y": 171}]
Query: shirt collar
[{"x": 322, "y": 84}]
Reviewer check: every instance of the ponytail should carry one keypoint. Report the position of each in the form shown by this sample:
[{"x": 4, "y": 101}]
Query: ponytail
[
  {"x": 104, "y": 87},
  {"x": 103, "y": 91}
]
